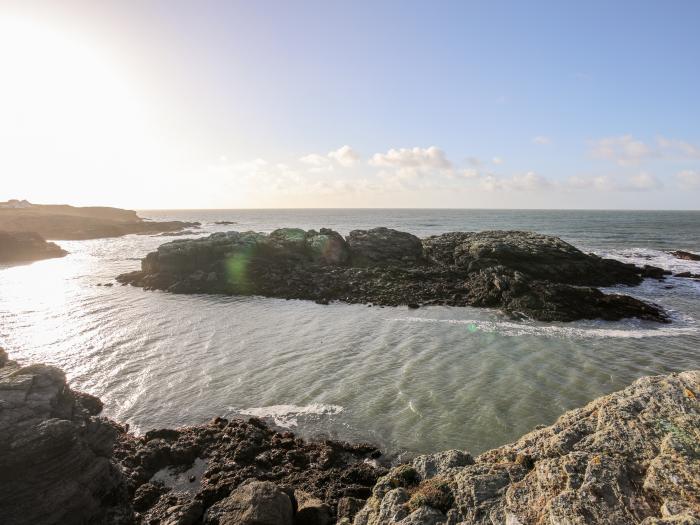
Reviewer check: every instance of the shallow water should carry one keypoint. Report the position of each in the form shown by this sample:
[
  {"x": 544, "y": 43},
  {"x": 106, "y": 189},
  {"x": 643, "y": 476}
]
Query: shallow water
[{"x": 415, "y": 380}]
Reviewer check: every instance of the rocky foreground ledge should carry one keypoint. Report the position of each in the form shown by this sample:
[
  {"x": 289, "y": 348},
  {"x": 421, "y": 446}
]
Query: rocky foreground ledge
[
  {"x": 523, "y": 273},
  {"x": 632, "y": 457}
]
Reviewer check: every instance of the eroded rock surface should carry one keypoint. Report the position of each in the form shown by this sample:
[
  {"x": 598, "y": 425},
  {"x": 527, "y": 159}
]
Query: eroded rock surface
[
  {"x": 524, "y": 274},
  {"x": 25, "y": 247},
  {"x": 632, "y": 457}
]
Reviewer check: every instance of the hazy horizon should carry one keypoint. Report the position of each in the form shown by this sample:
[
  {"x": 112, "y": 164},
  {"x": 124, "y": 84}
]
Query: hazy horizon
[{"x": 271, "y": 105}]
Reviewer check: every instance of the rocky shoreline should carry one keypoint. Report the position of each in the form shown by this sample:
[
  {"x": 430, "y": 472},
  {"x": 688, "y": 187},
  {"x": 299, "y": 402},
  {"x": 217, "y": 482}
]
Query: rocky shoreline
[
  {"x": 63, "y": 222},
  {"x": 627, "y": 458},
  {"x": 525, "y": 274}
]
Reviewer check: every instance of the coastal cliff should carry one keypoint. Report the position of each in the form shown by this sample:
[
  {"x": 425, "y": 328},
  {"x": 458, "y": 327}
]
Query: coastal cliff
[
  {"x": 63, "y": 222},
  {"x": 627, "y": 458},
  {"x": 524, "y": 274}
]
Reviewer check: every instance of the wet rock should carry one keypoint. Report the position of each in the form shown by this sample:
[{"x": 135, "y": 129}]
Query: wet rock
[
  {"x": 26, "y": 247},
  {"x": 256, "y": 503},
  {"x": 627, "y": 458}
]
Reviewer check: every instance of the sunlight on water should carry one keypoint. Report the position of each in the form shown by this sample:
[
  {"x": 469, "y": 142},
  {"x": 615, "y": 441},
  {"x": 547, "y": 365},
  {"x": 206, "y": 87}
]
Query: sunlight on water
[{"x": 420, "y": 380}]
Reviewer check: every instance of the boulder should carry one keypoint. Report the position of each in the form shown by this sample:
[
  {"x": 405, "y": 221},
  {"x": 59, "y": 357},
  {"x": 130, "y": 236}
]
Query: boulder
[
  {"x": 256, "y": 503},
  {"x": 384, "y": 246},
  {"x": 55, "y": 455},
  {"x": 311, "y": 510}
]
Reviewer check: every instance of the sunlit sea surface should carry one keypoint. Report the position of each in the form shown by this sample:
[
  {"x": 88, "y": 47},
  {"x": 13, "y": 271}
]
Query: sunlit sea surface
[{"x": 408, "y": 380}]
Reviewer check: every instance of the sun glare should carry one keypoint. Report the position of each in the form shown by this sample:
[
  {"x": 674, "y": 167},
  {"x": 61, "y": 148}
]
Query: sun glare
[{"x": 66, "y": 108}]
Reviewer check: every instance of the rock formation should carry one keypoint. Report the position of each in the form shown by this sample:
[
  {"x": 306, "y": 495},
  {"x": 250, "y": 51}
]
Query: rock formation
[
  {"x": 25, "y": 247},
  {"x": 525, "y": 274},
  {"x": 688, "y": 256},
  {"x": 68, "y": 222},
  {"x": 632, "y": 457}
]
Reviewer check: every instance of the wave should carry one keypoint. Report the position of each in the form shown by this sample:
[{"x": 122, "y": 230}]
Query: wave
[
  {"x": 514, "y": 329},
  {"x": 642, "y": 256},
  {"x": 287, "y": 416}
]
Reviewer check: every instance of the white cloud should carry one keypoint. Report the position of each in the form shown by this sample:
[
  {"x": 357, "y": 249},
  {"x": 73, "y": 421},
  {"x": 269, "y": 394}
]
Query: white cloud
[
  {"x": 541, "y": 140},
  {"x": 470, "y": 173},
  {"x": 606, "y": 183},
  {"x": 529, "y": 181},
  {"x": 497, "y": 160},
  {"x": 344, "y": 156},
  {"x": 431, "y": 158},
  {"x": 678, "y": 148},
  {"x": 688, "y": 179},
  {"x": 643, "y": 181},
  {"x": 314, "y": 159},
  {"x": 624, "y": 150}
]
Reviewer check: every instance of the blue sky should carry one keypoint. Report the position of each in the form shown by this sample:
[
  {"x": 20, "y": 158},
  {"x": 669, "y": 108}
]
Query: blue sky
[{"x": 415, "y": 104}]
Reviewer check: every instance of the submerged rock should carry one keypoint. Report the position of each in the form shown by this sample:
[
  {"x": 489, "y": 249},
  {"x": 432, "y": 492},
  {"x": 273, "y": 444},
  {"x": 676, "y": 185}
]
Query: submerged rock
[
  {"x": 26, "y": 246},
  {"x": 627, "y": 458},
  {"x": 525, "y": 274}
]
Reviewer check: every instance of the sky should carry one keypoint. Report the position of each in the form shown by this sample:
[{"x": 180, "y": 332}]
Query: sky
[{"x": 279, "y": 104}]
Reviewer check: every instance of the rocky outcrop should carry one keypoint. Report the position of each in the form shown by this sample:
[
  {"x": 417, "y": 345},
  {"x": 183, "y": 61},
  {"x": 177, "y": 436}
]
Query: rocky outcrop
[
  {"x": 632, "y": 457},
  {"x": 524, "y": 274},
  {"x": 54, "y": 452},
  {"x": 26, "y": 247},
  {"x": 74, "y": 223},
  {"x": 687, "y": 256}
]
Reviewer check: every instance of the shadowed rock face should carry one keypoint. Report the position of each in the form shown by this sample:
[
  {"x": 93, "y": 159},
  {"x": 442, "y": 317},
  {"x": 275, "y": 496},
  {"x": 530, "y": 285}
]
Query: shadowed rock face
[
  {"x": 54, "y": 453},
  {"x": 26, "y": 247},
  {"x": 628, "y": 458},
  {"x": 523, "y": 273}
]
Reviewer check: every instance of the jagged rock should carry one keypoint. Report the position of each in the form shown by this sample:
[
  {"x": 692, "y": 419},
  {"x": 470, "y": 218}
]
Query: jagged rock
[
  {"x": 54, "y": 454},
  {"x": 627, "y": 458},
  {"x": 256, "y": 503},
  {"x": 524, "y": 274},
  {"x": 26, "y": 246},
  {"x": 311, "y": 510}
]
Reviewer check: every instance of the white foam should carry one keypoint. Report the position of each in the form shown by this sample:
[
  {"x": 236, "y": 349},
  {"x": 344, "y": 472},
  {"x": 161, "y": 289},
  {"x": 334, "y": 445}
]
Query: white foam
[
  {"x": 287, "y": 416},
  {"x": 514, "y": 329},
  {"x": 642, "y": 256}
]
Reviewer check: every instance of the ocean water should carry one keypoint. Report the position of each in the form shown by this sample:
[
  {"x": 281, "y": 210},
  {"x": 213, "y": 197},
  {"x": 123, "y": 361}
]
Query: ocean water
[{"x": 408, "y": 380}]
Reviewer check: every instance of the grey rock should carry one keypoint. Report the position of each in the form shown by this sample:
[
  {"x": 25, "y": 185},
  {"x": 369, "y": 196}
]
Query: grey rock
[{"x": 438, "y": 464}]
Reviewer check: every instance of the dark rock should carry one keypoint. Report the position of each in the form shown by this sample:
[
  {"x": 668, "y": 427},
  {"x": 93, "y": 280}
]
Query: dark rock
[
  {"x": 349, "y": 507},
  {"x": 54, "y": 455},
  {"x": 688, "y": 256},
  {"x": 311, "y": 510},
  {"x": 384, "y": 246},
  {"x": 25, "y": 247}
]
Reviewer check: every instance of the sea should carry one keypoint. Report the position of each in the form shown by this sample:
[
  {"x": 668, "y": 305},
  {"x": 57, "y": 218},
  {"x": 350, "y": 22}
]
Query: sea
[{"x": 409, "y": 381}]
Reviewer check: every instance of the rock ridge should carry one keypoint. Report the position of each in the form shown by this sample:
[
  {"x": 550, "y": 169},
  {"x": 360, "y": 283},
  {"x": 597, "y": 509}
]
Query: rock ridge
[{"x": 525, "y": 274}]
